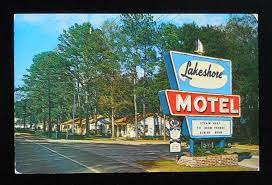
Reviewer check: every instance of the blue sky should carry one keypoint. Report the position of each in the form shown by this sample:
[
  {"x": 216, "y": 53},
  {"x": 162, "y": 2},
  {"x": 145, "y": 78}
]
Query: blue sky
[{"x": 36, "y": 33}]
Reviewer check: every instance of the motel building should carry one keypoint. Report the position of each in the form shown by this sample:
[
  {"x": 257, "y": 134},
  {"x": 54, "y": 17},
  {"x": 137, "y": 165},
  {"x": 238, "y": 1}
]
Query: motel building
[
  {"x": 123, "y": 127},
  {"x": 102, "y": 125},
  {"x": 153, "y": 126}
]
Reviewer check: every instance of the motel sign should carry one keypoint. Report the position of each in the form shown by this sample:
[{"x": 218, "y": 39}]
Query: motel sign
[
  {"x": 201, "y": 94},
  {"x": 182, "y": 103}
]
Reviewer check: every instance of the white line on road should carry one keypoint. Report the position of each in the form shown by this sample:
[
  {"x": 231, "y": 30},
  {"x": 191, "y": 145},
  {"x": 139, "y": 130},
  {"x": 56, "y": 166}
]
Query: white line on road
[{"x": 96, "y": 171}]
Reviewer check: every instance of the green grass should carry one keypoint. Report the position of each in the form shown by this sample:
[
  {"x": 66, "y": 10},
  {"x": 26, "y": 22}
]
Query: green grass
[{"x": 172, "y": 166}]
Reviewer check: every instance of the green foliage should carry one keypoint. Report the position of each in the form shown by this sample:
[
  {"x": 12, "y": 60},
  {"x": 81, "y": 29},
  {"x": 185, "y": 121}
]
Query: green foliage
[
  {"x": 152, "y": 138},
  {"x": 41, "y": 133},
  {"x": 200, "y": 151},
  {"x": 204, "y": 152},
  {"x": 217, "y": 150}
]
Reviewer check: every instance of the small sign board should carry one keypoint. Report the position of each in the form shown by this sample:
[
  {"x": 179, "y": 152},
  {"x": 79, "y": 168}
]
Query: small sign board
[
  {"x": 207, "y": 128},
  {"x": 175, "y": 147},
  {"x": 198, "y": 127},
  {"x": 175, "y": 132}
]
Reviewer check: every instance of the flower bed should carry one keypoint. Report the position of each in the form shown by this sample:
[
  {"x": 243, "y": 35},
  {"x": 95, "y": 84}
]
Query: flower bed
[{"x": 210, "y": 160}]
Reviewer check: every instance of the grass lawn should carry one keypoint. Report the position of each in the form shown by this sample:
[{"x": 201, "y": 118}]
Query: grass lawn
[
  {"x": 172, "y": 166},
  {"x": 247, "y": 146}
]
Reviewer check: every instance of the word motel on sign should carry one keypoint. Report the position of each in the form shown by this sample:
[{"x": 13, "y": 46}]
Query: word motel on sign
[{"x": 191, "y": 103}]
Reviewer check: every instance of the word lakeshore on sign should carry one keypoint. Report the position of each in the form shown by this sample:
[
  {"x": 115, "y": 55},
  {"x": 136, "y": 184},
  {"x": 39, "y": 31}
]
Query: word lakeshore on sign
[
  {"x": 181, "y": 103},
  {"x": 196, "y": 73}
]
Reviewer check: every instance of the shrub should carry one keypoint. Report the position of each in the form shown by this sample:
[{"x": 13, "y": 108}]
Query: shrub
[
  {"x": 200, "y": 151},
  {"x": 217, "y": 150},
  {"x": 152, "y": 137},
  {"x": 41, "y": 133},
  {"x": 204, "y": 152}
]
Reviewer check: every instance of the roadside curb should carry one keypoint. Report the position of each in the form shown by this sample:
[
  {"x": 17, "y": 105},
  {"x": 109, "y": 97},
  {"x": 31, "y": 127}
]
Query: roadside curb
[{"x": 107, "y": 142}]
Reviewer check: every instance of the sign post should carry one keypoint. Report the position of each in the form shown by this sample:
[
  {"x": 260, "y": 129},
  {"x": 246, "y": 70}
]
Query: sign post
[
  {"x": 175, "y": 133},
  {"x": 201, "y": 92}
]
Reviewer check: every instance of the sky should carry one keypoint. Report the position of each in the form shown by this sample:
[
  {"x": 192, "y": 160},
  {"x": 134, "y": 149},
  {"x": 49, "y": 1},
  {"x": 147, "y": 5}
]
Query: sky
[{"x": 36, "y": 33}]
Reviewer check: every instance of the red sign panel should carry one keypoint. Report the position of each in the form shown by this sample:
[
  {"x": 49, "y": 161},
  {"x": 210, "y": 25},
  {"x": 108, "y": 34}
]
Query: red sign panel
[{"x": 182, "y": 103}]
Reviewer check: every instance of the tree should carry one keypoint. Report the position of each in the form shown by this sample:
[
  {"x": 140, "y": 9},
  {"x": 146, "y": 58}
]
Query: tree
[
  {"x": 44, "y": 85},
  {"x": 111, "y": 68},
  {"x": 139, "y": 34},
  {"x": 78, "y": 46},
  {"x": 242, "y": 43}
]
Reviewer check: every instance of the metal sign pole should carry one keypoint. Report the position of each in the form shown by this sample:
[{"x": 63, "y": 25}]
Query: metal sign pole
[{"x": 199, "y": 50}]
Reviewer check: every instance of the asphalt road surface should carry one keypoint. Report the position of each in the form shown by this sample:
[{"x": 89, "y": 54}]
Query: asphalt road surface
[
  {"x": 40, "y": 156},
  {"x": 34, "y": 155}
]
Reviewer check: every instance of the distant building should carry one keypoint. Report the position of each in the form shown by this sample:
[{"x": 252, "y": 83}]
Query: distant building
[
  {"x": 152, "y": 126},
  {"x": 80, "y": 129},
  {"x": 123, "y": 127}
]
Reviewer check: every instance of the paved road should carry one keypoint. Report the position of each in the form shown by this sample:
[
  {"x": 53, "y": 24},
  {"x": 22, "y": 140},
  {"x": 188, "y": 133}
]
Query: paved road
[{"x": 34, "y": 155}]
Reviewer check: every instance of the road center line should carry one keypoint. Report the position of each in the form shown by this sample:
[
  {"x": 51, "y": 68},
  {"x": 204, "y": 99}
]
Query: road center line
[{"x": 96, "y": 171}]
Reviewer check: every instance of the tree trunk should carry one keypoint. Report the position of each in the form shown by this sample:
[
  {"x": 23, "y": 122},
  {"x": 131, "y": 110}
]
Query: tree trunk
[
  {"x": 160, "y": 126},
  {"x": 87, "y": 120},
  {"x": 95, "y": 121},
  {"x": 25, "y": 116},
  {"x": 35, "y": 124},
  {"x": 135, "y": 101},
  {"x": 80, "y": 116},
  {"x": 49, "y": 111},
  {"x": 24, "y": 123},
  {"x": 164, "y": 130},
  {"x": 112, "y": 122},
  {"x": 44, "y": 122},
  {"x": 44, "y": 125},
  {"x": 144, "y": 113},
  {"x": 112, "y": 107}
]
